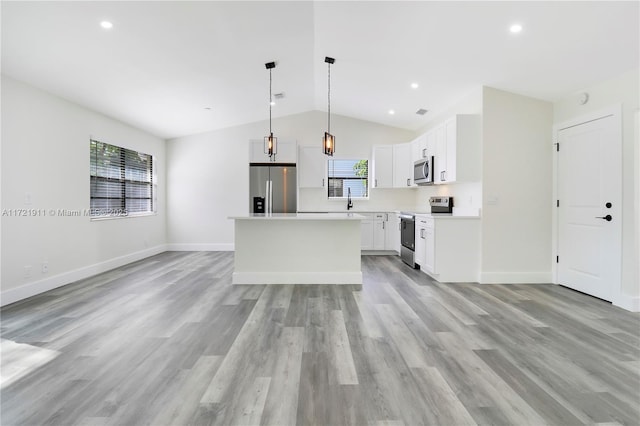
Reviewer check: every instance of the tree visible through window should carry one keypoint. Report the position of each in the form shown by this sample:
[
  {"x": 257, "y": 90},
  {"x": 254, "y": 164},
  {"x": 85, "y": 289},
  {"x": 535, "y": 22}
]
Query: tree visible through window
[
  {"x": 348, "y": 174},
  {"x": 121, "y": 181}
]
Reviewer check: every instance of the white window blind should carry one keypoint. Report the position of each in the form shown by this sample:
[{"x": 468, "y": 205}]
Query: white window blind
[
  {"x": 348, "y": 174},
  {"x": 121, "y": 181}
]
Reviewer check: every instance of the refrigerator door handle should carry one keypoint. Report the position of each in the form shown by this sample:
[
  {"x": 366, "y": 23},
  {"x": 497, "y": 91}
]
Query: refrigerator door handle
[{"x": 266, "y": 197}]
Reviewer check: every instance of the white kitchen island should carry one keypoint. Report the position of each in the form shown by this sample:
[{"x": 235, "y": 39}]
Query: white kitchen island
[{"x": 297, "y": 248}]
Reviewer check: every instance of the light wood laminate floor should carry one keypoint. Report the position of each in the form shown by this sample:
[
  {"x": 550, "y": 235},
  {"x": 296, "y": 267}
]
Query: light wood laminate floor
[{"x": 169, "y": 341}]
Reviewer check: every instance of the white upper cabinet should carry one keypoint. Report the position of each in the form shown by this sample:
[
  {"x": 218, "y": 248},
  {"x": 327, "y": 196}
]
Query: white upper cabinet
[
  {"x": 286, "y": 152},
  {"x": 430, "y": 144},
  {"x": 402, "y": 166},
  {"x": 419, "y": 148},
  {"x": 312, "y": 167},
  {"x": 382, "y": 166},
  {"x": 440, "y": 165},
  {"x": 458, "y": 150}
]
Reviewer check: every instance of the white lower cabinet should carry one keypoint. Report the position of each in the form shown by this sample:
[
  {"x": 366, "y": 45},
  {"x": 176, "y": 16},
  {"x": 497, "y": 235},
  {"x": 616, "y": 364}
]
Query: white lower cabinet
[
  {"x": 392, "y": 232},
  {"x": 429, "y": 264},
  {"x": 380, "y": 232},
  {"x": 420, "y": 240},
  {"x": 451, "y": 248},
  {"x": 366, "y": 235}
]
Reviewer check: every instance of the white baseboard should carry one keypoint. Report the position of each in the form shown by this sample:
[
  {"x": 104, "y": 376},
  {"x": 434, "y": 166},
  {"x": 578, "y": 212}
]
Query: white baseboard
[
  {"x": 297, "y": 278},
  {"x": 199, "y": 247},
  {"x": 629, "y": 303},
  {"x": 31, "y": 289},
  {"x": 515, "y": 277}
]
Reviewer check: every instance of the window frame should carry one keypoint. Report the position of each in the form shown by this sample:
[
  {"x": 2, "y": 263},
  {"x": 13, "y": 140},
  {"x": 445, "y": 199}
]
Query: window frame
[
  {"x": 344, "y": 197},
  {"x": 121, "y": 212}
]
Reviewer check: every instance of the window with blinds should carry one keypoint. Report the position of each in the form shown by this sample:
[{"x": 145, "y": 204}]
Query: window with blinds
[
  {"x": 348, "y": 174},
  {"x": 121, "y": 181}
]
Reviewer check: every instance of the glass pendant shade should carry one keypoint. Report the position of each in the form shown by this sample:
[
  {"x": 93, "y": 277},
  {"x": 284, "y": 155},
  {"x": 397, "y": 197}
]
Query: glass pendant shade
[
  {"x": 329, "y": 144},
  {"x": 270, "y": 145}
]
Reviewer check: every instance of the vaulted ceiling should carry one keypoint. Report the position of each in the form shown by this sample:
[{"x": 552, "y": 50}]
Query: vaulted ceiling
[{"x": 174, "y": 68}]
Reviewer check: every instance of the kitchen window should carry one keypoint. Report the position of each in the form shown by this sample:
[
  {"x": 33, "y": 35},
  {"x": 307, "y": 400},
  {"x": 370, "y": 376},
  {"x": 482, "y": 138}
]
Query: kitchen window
[
  {"x": 348, "y": 174},
  {"x": 121, "y": 181}
]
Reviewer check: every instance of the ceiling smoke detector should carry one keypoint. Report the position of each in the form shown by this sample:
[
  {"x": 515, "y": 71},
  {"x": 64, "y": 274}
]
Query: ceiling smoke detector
[{"x": 422, "y": 111}]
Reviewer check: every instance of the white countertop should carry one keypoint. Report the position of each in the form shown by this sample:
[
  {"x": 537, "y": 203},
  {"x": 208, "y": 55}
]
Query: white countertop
[
  {"x": 445, "y": 216},
  {"x": 300, "y": 216}
]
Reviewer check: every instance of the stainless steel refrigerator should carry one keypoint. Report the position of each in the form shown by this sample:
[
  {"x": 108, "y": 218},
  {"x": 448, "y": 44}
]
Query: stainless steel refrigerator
[{"x": 272, "y": 186}]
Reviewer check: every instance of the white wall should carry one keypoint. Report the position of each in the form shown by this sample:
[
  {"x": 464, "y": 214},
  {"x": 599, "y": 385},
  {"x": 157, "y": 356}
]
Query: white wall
[
  {"x": 45, "y": 153},
  {"x": 466, "y": 195},
  {"x": 516, "y": 188},
  {"x": 208, "y": 174},
  {"x": 624, "y": 90}
]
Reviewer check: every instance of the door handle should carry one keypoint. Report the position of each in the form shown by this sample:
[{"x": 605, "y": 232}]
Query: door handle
[
  {"x": 608, "y": 218},
  {"x": 408, "y": 182}
]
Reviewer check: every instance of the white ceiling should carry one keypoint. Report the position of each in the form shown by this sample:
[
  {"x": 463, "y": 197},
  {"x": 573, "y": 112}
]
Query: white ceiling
[{"x": 164, "y": 62}]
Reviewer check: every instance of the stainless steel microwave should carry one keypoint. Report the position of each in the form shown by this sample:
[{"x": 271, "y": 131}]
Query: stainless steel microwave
[{"x": 423, "y": 171}]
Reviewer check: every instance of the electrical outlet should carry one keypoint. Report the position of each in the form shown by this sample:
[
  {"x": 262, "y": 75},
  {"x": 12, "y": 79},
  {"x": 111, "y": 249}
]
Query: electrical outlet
[
  {"x": 45, "y": 267},
  {"x": 27, "y": 271}
]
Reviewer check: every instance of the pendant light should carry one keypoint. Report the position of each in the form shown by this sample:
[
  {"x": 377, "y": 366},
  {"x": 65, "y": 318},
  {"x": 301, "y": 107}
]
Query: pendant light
[
  {"x": 329, "y": 141},
  {"x": 270, "y": 142}
]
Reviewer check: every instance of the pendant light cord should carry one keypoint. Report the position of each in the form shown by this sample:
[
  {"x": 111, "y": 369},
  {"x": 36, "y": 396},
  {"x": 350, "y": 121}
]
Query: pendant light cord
[
  {"x": 270, "y": 101},
  {"x": 329, "y": 100}
]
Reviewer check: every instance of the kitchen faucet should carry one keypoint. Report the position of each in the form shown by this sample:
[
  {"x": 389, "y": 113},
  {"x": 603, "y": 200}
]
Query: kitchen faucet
[{"x": 349, "y": 202}]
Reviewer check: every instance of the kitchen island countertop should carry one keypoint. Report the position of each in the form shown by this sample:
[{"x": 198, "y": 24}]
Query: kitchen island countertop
[
  {"x": 298, "y": 248},
  {"x": 301, "y": 216}
]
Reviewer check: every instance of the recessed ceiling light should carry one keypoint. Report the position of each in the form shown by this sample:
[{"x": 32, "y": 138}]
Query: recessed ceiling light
[
  {"x": 414, "y": 85},
  {"x": 391, "y": 112},
  {"x": 515, "y": 28},
  {"x": 106, "y": 25}
]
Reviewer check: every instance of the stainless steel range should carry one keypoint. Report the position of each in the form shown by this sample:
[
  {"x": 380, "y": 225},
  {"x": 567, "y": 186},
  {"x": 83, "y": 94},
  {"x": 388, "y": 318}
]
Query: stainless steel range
[
  {"x": 441, "y": 205},
  {"x": 408, "y": 238}
]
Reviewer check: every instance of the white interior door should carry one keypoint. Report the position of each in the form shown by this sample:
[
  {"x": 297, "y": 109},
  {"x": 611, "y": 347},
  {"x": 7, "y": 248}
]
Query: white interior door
[{"x": 589, "y": 214}]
